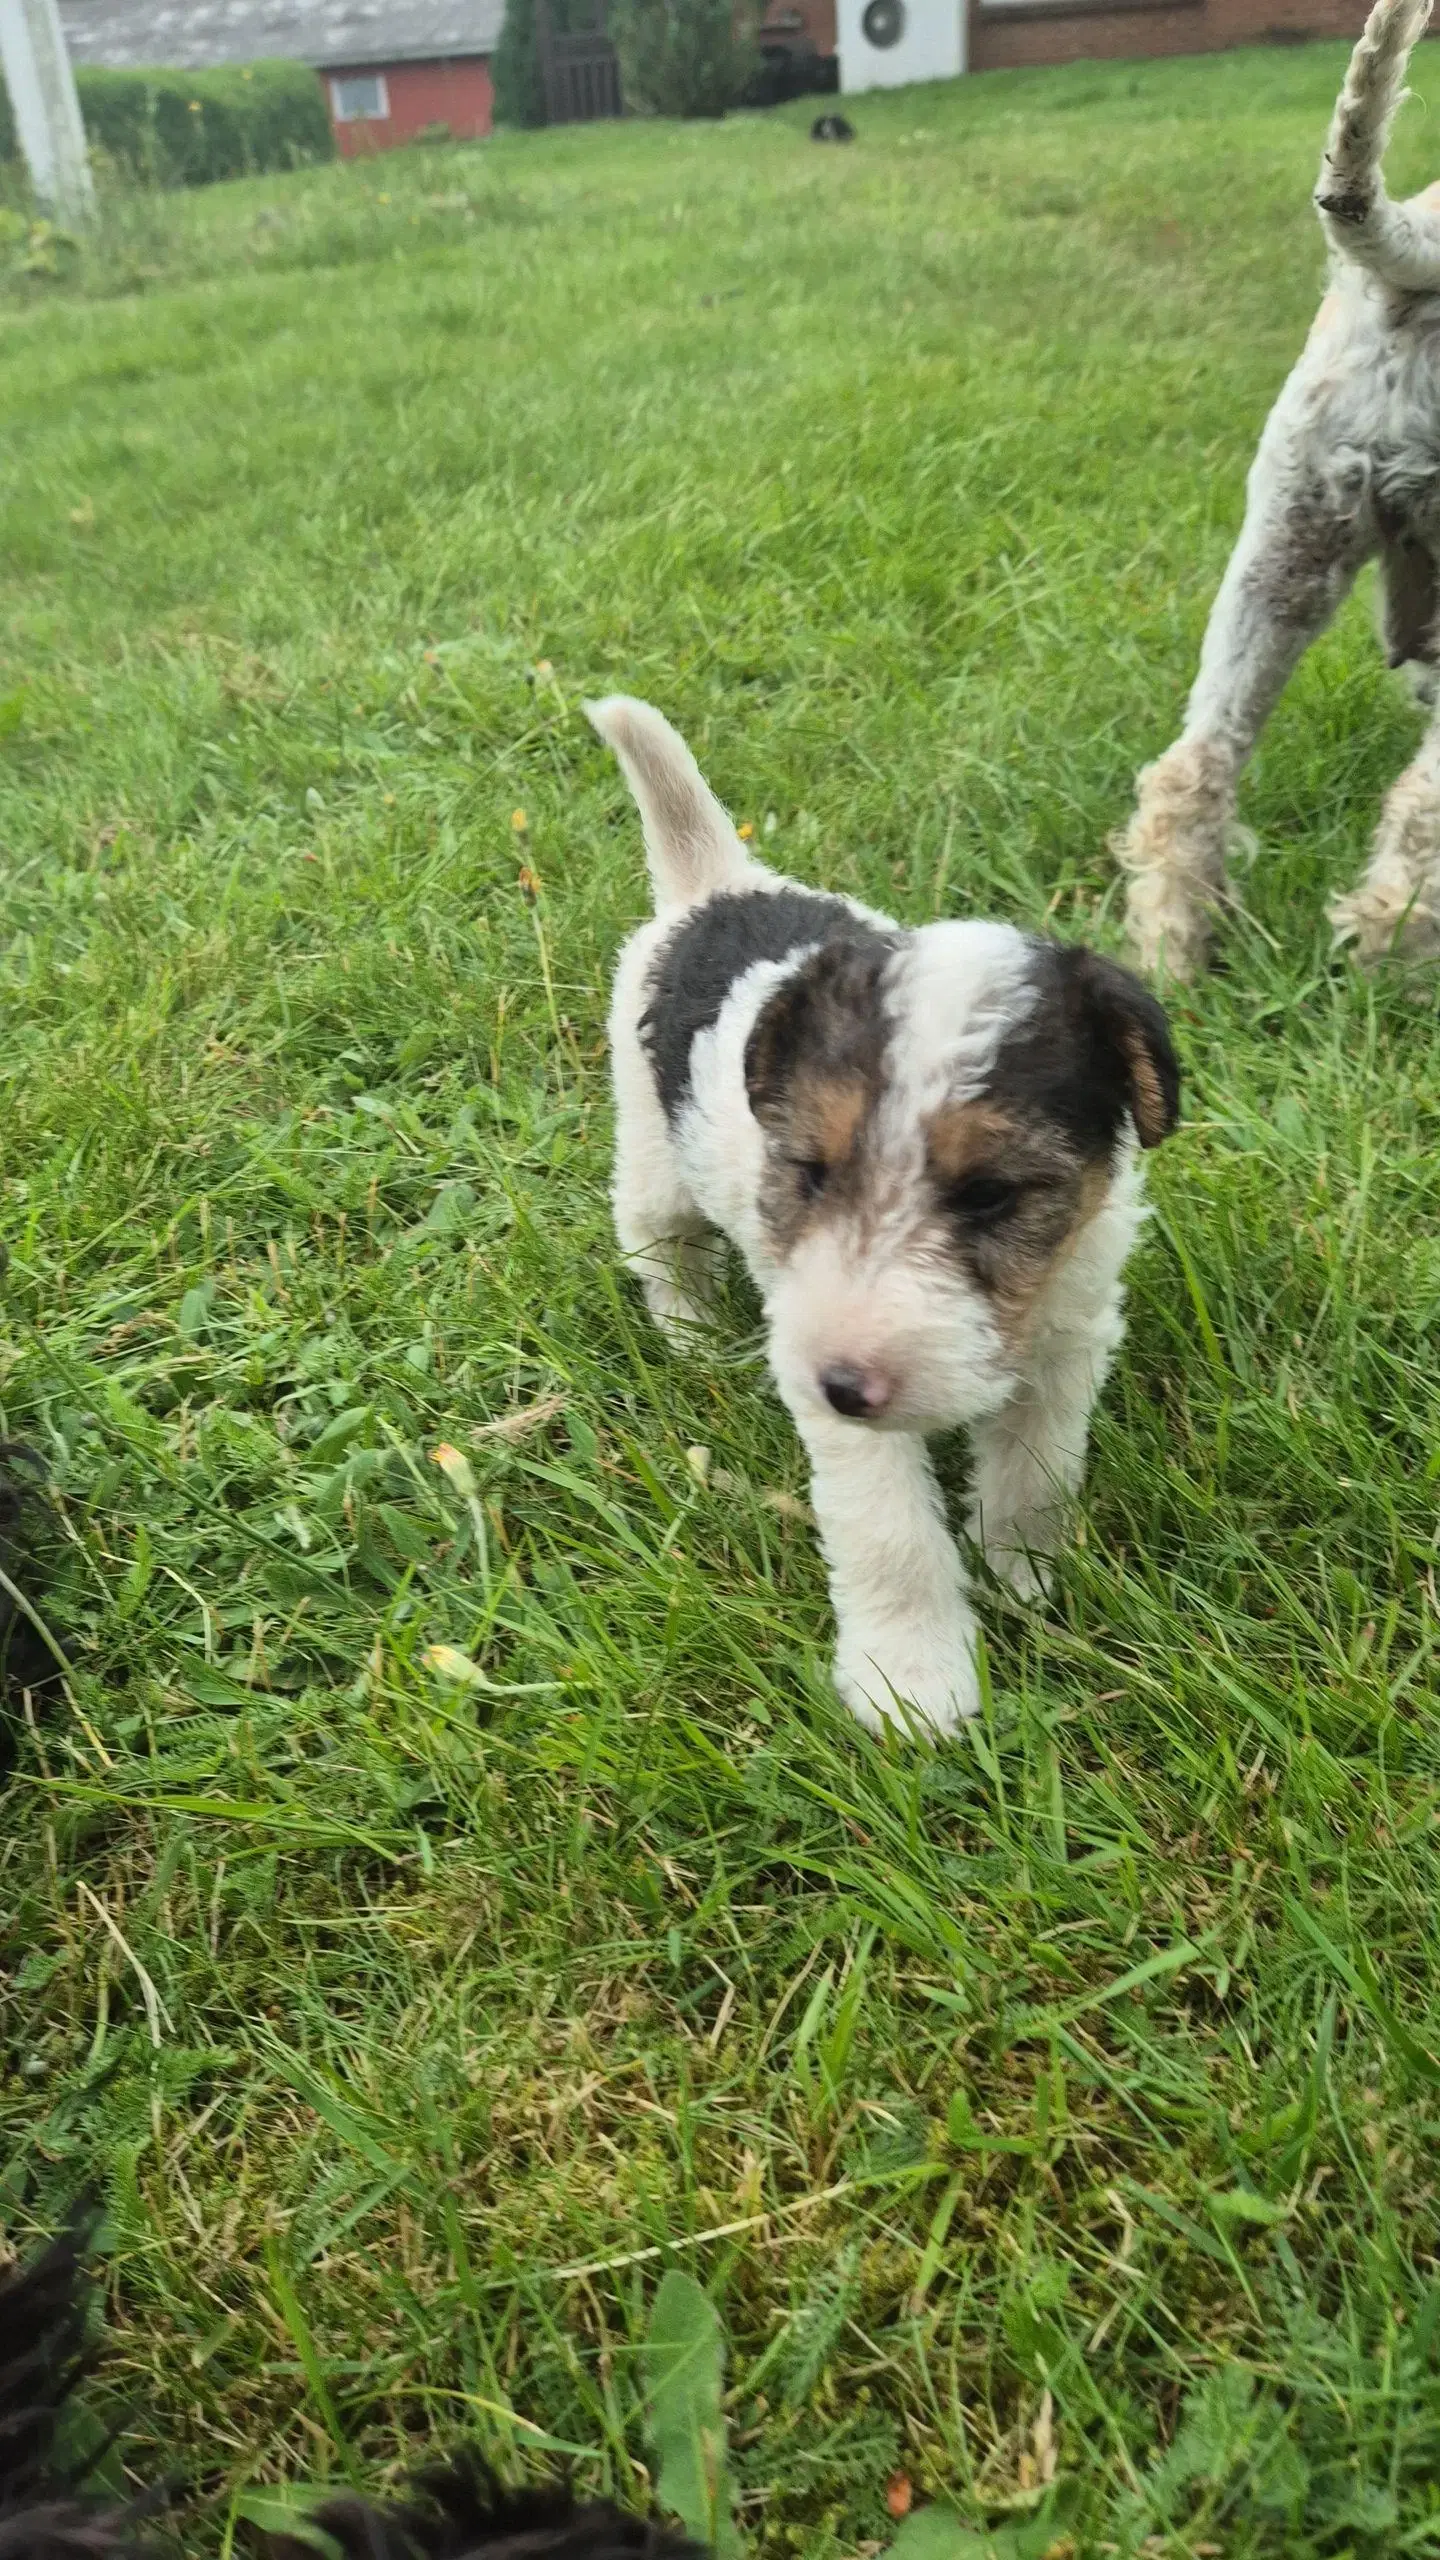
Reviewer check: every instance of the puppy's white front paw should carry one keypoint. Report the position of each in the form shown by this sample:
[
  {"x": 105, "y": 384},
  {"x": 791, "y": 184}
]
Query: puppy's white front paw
[
  {"x": 913, "y": 1678},
  {"x": 1025, "y": 1564},
  {"x": 679, "y": 1316},
  {"x": 1029, "y": 1577},
  {"x": 679, "y": 1291}
]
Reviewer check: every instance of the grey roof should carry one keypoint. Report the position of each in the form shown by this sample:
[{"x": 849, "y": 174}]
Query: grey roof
[{"x": 193, "y": 35}]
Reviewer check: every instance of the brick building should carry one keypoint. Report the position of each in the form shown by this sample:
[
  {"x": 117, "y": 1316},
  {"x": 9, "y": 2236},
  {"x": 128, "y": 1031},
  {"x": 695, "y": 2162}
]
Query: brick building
[
  {"x": 392, "y": 69},
  {"x": 389, "y": 69},
  {"x": 990, "y": 35}
]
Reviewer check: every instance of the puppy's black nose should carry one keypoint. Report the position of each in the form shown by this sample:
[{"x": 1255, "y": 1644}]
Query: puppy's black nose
[{"x": 857, "y": 1393}]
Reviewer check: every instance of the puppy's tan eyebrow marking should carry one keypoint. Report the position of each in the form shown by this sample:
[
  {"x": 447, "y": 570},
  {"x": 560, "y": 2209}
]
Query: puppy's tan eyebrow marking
[
  {"x": 963, "y": 1137},
  {"x": 828, "y": 1113}
]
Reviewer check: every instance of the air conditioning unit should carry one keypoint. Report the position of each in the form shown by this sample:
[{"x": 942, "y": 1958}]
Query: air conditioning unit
[{"x": 886, "y": 42}]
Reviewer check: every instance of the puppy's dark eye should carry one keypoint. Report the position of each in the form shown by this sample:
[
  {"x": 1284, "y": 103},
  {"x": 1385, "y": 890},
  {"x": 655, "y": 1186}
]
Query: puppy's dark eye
[
  {"x": 812, "y": 1174},
  {"x": 984, "y": 1199}
]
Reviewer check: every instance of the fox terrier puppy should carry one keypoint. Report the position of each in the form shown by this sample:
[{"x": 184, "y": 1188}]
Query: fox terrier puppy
[
  {"x": 924, "y": 1144},
  {"x": 1348, "y": 469}
]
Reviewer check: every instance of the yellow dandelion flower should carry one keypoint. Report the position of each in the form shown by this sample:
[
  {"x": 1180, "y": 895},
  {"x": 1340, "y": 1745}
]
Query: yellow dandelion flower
[
  {"x": 455, "y": 1466},
  {"x": 449, "y": 1663}
]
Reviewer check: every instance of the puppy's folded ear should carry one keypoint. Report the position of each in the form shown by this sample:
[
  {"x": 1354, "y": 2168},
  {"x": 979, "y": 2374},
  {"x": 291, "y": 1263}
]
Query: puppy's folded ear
[
  {"x": 776, "y": 1042},
  {"x": 824, "y": 1018},
  {"x": 1134, "y": 1028}
]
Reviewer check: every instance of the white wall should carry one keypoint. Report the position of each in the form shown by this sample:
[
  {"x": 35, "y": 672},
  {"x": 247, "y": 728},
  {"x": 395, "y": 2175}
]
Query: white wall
[
  {"x": 47, "y": 116},
  {"x": 931, "y": 47}
]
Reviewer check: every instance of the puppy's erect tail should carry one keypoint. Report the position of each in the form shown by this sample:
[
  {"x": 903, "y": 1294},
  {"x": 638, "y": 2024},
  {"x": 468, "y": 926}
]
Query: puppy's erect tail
[
  {"x": 690, "y": 845},
  {"x": 1399, "y": 243}
]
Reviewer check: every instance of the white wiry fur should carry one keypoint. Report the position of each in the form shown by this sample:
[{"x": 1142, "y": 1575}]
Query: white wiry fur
[
  {"x": 1348, "y": 467},
  {"x": 873, "y": 1292}
]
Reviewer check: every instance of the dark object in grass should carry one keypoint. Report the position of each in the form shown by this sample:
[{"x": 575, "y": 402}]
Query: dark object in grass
[
  {"x": 26, "y": 1661},
  {"x": 461, "y": 2511},
  {"x": 832, "y": 129},
  {"x": 45, "y": 2513},
  {"x": 42, "y": 2357},
  {"x": 457, "y": 2510}
]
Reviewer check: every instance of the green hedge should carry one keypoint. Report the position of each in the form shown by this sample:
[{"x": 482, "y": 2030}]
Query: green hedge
[{"x": 185, "y": 128}]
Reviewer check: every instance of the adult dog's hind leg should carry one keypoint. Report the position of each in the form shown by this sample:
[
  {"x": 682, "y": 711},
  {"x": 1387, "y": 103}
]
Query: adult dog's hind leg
[
  {"x": 1395, "y": 909},
  {"x": 1409, "y": 601},
  {"x": 1299, "y": 549}
]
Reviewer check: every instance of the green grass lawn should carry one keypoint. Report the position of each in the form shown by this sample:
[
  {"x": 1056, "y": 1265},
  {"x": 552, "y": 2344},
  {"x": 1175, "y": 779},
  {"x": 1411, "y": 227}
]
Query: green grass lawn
[{"x": 414, "y": 2028}]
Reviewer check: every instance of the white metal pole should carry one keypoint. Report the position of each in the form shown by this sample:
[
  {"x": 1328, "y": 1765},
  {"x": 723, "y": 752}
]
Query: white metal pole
[{"x": 47, "y": 111}]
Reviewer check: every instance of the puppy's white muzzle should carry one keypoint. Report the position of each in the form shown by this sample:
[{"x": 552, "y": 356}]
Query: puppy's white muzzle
[{"x": 893, "y": 1344}]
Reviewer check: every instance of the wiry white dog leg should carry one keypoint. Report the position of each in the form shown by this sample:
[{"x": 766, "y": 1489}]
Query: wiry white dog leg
[
  {"x": 667, "y": 1243},
  {"x": 1174, "y": 852},
  {"x": 1029, "y": 1463},
  {"x": 906, "y": 1650},
  {"x": 1030, "y": 1456},
  {"x": 1299, "y": 549},
  {"x": 1395, "y": 910}
]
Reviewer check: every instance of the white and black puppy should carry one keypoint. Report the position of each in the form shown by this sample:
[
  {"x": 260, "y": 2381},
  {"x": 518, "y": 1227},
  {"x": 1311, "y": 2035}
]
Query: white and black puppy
[{"x": 924, "y": 1143}]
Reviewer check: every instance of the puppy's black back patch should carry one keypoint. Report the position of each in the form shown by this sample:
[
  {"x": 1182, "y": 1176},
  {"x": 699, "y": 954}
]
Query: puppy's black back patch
[{"x": 705, "y": 956}]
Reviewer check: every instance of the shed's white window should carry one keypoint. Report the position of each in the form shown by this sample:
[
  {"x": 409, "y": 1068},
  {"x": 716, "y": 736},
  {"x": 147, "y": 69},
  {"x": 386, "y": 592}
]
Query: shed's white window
[{"x": 362, "y": 100}]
